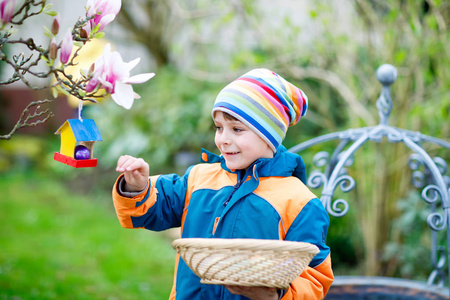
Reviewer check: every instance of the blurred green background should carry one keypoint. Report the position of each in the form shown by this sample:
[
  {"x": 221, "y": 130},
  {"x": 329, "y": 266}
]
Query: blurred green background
[{"x": 60, "y": 237}]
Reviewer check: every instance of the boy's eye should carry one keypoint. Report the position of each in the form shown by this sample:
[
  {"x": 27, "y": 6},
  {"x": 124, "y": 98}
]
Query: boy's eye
[
  {"x": 218, "y": 128},
  {"x": 237, "y": 129}
]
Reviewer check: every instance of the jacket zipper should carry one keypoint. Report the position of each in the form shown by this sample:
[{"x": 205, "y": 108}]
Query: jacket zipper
[{"x": 238, "y": 184}]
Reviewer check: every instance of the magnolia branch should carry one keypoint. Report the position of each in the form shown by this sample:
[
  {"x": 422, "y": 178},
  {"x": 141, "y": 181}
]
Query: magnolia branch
[
  {"x": 24, "y": 65},
  {"x": 25, "y": 11},
  {"x": 108, "y": 72},
  {"x": 31, "y": 116}
]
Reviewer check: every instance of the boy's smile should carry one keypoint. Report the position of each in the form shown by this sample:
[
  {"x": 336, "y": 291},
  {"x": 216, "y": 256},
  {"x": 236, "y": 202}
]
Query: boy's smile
[{"x": 239, "y": 145}]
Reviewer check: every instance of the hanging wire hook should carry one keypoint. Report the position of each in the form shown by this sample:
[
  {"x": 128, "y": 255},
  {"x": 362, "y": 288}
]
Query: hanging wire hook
[{"x": 80, "y": 108}]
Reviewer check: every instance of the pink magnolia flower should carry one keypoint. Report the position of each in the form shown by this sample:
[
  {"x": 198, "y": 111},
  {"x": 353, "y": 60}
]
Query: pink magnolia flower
[
  {"x": 105, "y": 11},
  {"x": 6, "y": 11},
  {"x": 113, "y": 74},
  {"x": 66, "y": 47}
]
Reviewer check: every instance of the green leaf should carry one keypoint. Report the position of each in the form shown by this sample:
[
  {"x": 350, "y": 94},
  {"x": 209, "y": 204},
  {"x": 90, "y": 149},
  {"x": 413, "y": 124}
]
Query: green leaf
[
  {"x": 78, "y": 44},
  {"x": 99, "y": 35},
  {"x": 48, "y": 6},
  {"x": 52, "y": 13},
  {"x": 96, "y": 29},
  {"x": 48, "y": 34},
  {"x": 54, "y": 92},
  {"x": 44, "y": 58},
  {"x": 62, "y": 90}
]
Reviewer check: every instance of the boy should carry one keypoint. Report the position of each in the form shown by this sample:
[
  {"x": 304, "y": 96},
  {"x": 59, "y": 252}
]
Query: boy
[{"x": 254, "y": 189}]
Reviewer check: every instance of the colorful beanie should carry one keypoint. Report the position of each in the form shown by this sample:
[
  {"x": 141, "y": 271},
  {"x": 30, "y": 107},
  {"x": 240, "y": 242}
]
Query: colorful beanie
[{"x": 265, "y": 102}]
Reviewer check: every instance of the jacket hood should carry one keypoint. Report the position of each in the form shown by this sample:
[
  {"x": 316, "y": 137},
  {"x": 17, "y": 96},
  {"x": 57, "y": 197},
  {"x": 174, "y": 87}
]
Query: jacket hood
[{"x": 283, "y": 164}]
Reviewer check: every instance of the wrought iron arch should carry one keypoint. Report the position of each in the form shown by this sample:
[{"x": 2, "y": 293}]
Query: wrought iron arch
[{"x": 433, "y": 181}]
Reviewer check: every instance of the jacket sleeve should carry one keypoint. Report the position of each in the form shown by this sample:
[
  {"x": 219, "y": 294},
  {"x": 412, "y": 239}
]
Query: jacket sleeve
[
  {"x": 159, "y": 207},
  {"x": 311, "y": 225}
]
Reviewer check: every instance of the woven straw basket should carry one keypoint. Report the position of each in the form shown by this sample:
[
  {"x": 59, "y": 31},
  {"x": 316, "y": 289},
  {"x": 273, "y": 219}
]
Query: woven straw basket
[{"x": 245, "y": 262}]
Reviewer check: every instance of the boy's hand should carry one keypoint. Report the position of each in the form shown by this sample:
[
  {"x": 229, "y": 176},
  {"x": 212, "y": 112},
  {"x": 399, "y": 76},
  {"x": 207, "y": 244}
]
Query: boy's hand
[
  {"x": 254, "y": 293},
  {"x": 136, "y": 172}
]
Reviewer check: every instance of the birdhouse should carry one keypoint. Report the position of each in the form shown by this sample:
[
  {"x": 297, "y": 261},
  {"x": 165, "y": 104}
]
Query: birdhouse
[{"x": 77, "y": 143}]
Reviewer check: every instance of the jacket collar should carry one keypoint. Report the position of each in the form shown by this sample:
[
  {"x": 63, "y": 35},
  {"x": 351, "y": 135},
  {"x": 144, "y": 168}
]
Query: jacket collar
[{"x": 283, "y": 164}]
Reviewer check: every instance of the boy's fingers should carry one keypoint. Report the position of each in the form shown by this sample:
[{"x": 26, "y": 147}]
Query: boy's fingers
[
  {"x": 134, "y": 164},
  {"x": 120, "y": 161},
  {"x": 123, "y": 162},
  {"x": 129, "y": 163}
]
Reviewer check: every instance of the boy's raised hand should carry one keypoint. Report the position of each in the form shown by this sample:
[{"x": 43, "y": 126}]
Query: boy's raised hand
[{"x": 136, "y": 172}]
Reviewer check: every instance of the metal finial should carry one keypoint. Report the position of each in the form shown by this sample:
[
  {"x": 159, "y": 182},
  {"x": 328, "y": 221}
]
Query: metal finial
[{"x": 386, "y": 74}]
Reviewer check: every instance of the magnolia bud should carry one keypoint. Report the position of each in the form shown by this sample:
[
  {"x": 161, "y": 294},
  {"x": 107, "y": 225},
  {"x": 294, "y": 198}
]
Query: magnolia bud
[
  {"x": 83, "y": 33},
  {"x": 6, "y": 11},
  {"x": 92, "y": 68},
  {"x": 55, "y": 25},
  {"x": 66, "y": 47},
  {"x": 53, "y": 51}
]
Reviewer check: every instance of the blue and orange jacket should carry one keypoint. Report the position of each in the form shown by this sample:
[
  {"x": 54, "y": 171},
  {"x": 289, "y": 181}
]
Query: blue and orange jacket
[{"x": 268, "y": 201}]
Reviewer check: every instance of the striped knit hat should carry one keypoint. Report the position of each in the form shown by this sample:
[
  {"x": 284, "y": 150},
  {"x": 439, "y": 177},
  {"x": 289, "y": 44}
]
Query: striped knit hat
[{"x": 265, "y": 102}]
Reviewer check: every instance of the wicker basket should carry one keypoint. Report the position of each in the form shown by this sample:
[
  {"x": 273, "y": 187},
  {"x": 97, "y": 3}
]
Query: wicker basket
[{"x": 245, "y": 262}]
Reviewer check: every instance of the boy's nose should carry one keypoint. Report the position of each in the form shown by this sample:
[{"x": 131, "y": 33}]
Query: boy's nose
[{"x": 225, "y": 138}]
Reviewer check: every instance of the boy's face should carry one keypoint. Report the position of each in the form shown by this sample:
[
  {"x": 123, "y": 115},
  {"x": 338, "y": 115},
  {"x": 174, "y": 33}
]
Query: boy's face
[{"x": 238, "y": 144}]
